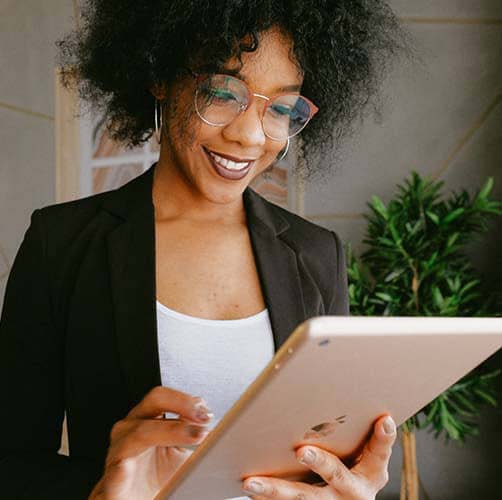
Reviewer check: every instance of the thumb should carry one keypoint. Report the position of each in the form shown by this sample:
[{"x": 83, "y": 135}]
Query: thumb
[{"x": 376, "y": 453}]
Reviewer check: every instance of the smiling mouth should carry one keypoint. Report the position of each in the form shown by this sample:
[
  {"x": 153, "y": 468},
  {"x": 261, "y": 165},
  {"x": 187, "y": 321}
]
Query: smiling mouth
[
  {"x": 225, "y": 170},
  {"x": 231, "y": 165}
]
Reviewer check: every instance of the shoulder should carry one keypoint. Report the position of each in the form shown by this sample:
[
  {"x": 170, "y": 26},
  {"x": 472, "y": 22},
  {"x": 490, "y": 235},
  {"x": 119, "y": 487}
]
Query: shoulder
[
  {"x": 305, "y": 235},
  {"x": 74, "y": 208},
  {"x": 319, "y": 249},
  {"x": 320, "y": 256},
  {"x": 69, "y": 213},
  {"x": 62, "y": 225}
]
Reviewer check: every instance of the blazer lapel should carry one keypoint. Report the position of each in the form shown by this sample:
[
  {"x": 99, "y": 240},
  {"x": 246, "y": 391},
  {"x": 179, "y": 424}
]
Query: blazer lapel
[
  {"x": 131, "y": 256},
  {"x": 277, "y": 267}
]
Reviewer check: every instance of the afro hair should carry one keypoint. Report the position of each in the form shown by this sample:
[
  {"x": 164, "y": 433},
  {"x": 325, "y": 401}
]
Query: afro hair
[{"x": 122, "y": 48}]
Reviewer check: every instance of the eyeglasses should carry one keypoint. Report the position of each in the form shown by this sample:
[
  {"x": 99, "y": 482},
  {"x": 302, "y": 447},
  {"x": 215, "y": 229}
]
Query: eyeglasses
[{"x": 220, "y": 98}]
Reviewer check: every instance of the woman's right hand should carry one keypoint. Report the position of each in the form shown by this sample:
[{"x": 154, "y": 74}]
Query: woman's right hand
[{"x": 146, "y": 449}]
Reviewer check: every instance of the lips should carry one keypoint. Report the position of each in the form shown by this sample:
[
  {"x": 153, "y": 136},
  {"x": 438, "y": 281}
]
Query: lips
[
  {"x": 225, "y": 172},
  {"x": 230, "y": 157}
]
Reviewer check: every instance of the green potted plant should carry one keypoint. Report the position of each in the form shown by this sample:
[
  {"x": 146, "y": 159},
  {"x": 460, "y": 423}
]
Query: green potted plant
[{"x": 414, "y": 266}]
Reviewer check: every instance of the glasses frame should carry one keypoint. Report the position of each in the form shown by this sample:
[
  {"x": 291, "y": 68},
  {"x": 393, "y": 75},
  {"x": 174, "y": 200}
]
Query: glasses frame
[{"x": 199, "y": 77}]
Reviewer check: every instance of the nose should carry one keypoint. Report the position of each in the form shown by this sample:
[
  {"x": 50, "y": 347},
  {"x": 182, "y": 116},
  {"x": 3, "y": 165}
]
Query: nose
[{"x": 247, "y": 127}]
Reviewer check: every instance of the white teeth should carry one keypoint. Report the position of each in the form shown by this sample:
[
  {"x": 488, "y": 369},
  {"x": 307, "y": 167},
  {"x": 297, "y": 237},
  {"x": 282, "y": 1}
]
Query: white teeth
[{"x": 231, "y": 165}]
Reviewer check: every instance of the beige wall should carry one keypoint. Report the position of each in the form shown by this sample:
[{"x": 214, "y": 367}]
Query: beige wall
[
  {"x": 28, "y": 29},
  {"x": 442, "y": 119}
]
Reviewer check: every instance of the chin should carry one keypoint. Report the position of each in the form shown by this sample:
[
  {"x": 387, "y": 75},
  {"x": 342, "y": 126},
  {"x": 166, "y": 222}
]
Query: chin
[{"x": 223, "y": 194}]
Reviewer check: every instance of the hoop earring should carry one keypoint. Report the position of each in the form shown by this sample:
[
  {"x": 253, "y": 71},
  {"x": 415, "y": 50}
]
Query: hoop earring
[
  {"x": 285, "y": 152},
  {"x": 158, "y": 128}
]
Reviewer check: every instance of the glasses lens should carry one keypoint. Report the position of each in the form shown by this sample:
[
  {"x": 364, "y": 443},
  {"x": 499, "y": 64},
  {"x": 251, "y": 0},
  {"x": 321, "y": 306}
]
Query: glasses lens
[
  {"x": 220, "y": 98},
  {"x": 286, "y": 116}
]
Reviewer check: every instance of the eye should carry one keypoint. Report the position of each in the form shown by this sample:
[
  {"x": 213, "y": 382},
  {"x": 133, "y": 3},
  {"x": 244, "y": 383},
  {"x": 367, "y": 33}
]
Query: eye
[
  {"x": 280, "y": 110},
  {"x": 219, "y": 95}
]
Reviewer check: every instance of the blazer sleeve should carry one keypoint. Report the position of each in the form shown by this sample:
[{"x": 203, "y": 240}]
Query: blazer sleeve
[
  {"x": 339, "y": 305},
  {"x": 32, "y": 385}
]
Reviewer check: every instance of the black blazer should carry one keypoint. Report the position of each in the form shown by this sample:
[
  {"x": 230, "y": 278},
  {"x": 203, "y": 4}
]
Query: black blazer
[{"x": 78, "y": 325}]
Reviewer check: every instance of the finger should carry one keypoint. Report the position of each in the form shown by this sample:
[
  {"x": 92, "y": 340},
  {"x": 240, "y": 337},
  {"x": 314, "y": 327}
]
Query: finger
[
  {"x": 271, "y": 487},
  {"x": 161, "y": 399},
  {"x": 374, "y": 459},
  {"x": 137, "y": 435},
  {"x": 329, "y": 467}
]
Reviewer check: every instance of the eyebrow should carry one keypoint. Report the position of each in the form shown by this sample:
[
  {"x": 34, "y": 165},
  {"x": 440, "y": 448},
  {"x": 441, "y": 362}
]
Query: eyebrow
[{"x": 286, "y": 88}]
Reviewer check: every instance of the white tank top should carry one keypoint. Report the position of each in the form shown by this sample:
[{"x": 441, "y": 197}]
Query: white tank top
[{"x": 214, "y": 359}]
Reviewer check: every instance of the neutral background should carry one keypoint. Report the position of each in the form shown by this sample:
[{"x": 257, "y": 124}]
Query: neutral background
[{"x": 443, "y": 119}]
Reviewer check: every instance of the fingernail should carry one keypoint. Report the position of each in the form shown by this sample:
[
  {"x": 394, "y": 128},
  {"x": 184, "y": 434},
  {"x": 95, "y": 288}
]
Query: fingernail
[
  {"x": 254, "y": 487},
  {"x": 202, "y": 412},
  {"x": 388, "y": 425},
  {"x": 308, "y": 457}
]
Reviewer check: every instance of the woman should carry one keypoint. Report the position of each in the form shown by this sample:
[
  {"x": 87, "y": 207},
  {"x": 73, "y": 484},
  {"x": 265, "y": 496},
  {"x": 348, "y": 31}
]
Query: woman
[{"x": 134, "y": 304}]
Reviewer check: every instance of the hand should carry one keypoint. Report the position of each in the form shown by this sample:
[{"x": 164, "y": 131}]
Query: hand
[
  {"x": 362, "y": 482},
  {"x": 146, "y": 449}
]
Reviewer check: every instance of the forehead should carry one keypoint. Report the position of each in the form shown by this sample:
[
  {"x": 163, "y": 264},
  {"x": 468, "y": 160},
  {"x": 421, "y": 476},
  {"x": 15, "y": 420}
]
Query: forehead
[{"x": 269, "y": 69}]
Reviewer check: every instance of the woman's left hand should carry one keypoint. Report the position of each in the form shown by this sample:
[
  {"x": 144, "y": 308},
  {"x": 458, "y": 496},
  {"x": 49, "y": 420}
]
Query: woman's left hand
[{"x": 361, "y": 482}]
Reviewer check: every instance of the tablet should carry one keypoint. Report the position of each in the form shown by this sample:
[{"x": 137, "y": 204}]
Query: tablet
[{"x": 326, "y": 385}]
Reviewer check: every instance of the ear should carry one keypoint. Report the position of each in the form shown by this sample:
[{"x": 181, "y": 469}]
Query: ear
[{"x": 159, "y": 91}]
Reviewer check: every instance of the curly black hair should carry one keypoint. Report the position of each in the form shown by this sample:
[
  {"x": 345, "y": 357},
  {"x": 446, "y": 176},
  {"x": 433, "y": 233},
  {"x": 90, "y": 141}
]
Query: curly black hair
[{"x": 123, "y": 48}]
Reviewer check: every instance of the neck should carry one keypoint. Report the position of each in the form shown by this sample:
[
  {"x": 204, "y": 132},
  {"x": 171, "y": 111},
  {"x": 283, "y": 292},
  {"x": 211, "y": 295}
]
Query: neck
[{"x": 176, "y": 197}]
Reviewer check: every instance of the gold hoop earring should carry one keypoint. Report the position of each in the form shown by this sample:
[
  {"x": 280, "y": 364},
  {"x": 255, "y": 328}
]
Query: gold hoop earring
[{"x": 158, "y": 114}]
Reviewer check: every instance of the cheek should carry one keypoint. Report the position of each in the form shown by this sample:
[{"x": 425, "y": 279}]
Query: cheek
[
  {"x": 274, "y": 148},
  {"x": 187, "y": 134},
  {"x": 183, "y": 128},
  {"x": 206, "y": 134},
  {"x": 268, "y": 159}
]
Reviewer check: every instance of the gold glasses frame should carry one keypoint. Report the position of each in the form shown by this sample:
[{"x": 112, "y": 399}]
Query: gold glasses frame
[{"x": 200, "y": 77}]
